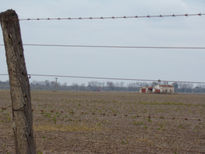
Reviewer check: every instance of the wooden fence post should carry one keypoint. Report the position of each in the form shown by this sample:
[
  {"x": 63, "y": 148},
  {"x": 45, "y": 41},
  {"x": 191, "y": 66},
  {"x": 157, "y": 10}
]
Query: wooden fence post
[{"x": 19, "y": 84}]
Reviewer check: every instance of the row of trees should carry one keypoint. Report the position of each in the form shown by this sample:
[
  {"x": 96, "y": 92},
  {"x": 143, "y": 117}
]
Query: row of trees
[{"x": 106, "y": 86}]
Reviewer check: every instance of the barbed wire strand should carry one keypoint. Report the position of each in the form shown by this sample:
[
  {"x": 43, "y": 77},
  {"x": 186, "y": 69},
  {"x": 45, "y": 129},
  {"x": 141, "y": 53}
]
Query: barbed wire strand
[
  {"x": 113, "y": 17},
  {"x": 116, "y": 46},
  {"x": 107, "y": 78}
]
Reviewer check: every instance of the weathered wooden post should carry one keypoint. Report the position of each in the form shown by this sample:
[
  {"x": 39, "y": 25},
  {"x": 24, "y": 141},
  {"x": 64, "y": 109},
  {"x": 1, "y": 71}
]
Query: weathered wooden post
[{"x": 19, "y": 84}]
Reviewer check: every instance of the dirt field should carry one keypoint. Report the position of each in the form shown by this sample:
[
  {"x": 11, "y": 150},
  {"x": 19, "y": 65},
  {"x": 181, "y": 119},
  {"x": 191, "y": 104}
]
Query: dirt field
[{"x": 111, "y": 122}]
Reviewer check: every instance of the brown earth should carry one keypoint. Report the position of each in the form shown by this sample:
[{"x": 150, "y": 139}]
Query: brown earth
[{"x": 111, "y": 122}]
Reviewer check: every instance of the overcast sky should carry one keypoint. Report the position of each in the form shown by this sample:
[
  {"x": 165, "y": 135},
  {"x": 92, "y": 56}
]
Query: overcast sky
[{"x": 127, "y": 63}]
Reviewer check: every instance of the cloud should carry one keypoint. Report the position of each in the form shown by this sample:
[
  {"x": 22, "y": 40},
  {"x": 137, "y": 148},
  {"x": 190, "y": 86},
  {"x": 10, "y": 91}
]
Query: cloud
[
  {"x": 92, "y": 7},
  {"x": 151, "y": 64}
]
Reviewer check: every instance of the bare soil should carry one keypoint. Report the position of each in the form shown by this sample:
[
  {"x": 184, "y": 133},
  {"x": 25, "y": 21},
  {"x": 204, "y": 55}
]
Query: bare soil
[{"x": 110, "y": 122}]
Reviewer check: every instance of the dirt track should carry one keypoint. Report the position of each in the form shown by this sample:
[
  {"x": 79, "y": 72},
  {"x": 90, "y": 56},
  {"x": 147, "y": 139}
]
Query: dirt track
[{"x": 111, "y": 122}]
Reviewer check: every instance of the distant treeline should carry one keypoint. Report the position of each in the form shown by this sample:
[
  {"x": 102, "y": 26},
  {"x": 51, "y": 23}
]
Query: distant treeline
[{"x": 106, "y": 86}]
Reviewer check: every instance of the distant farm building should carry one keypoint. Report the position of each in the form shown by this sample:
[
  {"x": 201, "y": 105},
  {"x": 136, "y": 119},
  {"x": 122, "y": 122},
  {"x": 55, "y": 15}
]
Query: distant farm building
[
  {"x": 146, "y": 90},
  {"x": 164, "y": 89},
  {"x": 158, "y": 89}
]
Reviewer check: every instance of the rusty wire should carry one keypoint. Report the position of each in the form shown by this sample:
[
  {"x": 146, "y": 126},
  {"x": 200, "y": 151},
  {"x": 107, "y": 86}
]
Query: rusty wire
[{"x": 112, "y": 17}]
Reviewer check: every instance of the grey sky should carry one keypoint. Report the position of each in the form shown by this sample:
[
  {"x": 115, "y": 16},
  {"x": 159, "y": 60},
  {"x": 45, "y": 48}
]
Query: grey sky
[{"x": 127, "y": 63}]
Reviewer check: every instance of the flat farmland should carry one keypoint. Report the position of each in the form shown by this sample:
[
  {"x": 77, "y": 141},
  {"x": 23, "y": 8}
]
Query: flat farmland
[{"x": 111, "y": 122}]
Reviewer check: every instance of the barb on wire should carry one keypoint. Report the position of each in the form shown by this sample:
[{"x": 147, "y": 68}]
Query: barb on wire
[
  {"x": 114, "y": 17},
  {"x": 115, "y": 46}
]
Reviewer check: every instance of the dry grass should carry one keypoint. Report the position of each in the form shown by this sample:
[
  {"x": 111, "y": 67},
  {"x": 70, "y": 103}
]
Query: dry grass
[{"x": 111, "y": 122}]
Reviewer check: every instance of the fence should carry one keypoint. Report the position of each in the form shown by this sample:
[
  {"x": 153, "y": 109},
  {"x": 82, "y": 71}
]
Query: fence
[{"x": 93, "y": 114}]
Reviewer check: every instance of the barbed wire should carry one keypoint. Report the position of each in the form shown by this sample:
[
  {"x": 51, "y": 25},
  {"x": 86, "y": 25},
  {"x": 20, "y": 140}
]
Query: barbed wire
[
  {"x": 113, "y": 17},
  {"x": 115, "y": 46},
  {"x": 107, "y": 78}
]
